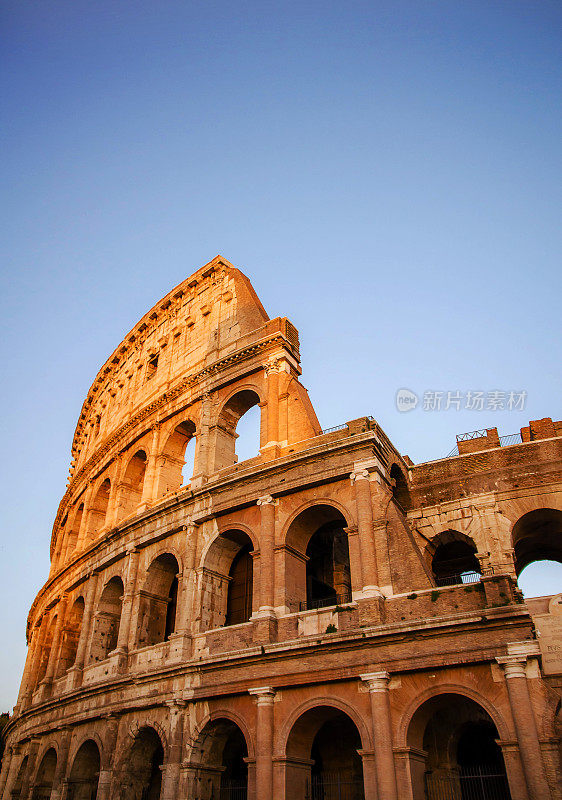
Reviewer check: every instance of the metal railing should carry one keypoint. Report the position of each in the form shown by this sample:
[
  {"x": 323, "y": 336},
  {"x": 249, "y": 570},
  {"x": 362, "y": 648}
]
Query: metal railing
[
  {"x": 326, "y": 602},
  {"x": 343, "y": 427},
  {"x": 472, "y": 783},
  {"x": 234, "y": 789},
  {"x": 505, "y": 441},
  {"x": 458, "y": 578},
  {"x": 335, "y": 786}
]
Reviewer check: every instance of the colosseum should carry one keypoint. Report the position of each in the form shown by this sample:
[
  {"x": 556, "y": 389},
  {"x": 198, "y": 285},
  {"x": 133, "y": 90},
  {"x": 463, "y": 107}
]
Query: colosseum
[{"x": 323, "y": 621}]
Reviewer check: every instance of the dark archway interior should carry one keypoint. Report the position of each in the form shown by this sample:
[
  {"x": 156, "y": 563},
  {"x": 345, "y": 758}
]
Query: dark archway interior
[
  {"x": 454, "y": 559},
  {"x": 141, "y": 775},
  {"x": 157, "y": 617},
  {"x": 222, "y": 762},
  {"x": 328, "y": 574},
  {"x": 328, "y": 740},
  {"x": 239, "y": 599},
  {"x": 84, "y": 775},
  {"x": 45, "y": 776},
  {"x": 463, "y": 760},
  {"x": 400, "y": 489},
  {"x": 537, "y": 536}
]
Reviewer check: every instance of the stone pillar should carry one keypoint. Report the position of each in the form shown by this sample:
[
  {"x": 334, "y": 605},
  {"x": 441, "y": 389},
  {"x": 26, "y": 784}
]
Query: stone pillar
[
  {"x": 127, "y": 604},
  {"x": 108, "y": 755},
  {"x": 272, "y": 437},
  {"x": 382, "y": 734},
  {"x": 31, "y": 682},
  {"x": 150, "y": 475},
  {"x": 81, "y": 541},
  {"x": 523, "y": 714},
  {"x": 30, "y": 770},
  {"x": 25, "y": 680},
  {"x": 84, "y": 637},
  {"x": 265, "y": 697},
  {"x": 8, "y": 769},
  {"x": 360, "y": 479},
  {"x": 171, "y": 775},
  {"x": 267, "y": 555},
  {"x": 55, "y": 645},
  {"x": 57, "y": 792}
]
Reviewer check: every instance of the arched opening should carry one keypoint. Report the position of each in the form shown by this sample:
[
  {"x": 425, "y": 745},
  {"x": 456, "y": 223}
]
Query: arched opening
[
  {"x": 133, "y": 482},
  {"x": 70, "y": 636},
  {"x": 98, "y": 510},
  {"x": 107, "y": 619},
  {"x": 158, "y": 601},
  {"x": 46, "y": 648},
  {"x": 400, "y": 488},
  {"x": 537, "y": 544},
  {"x": 176, "y": 466},
  {"x": 464, "y": 760},
  {"x": 222, "y": 769},
  {"x": 226, "y": 581},
  {"x": 229, "y": 427},
  {"x": 73, "y": 532},
  {"x": 84, "y": 775},
  {"x": 140, "y": 775},
  {"x": 323, "y": 762},
  {"x": 18, "y": 783},
  {"x": 317, "y": 565},
  {"x": 45, "y": 776},
  {"x": 453, "y": 559}
]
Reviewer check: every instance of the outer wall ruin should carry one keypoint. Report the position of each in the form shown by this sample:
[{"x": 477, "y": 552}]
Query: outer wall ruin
[{"x": 325, "y": 616}]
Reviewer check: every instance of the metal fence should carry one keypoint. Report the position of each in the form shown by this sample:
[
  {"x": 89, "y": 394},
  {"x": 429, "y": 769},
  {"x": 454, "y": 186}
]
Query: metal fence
[
  {"x": 233, "y": 790},
  {"x": 458, "y": 578},
  {"x": 472, "y": 783},
  {"x": 335, "y": 786},
  {"x": 325, "y": 602}
]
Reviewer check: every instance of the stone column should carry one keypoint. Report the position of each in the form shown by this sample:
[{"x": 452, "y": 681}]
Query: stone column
[
  {"x": 85, "y": 521},
  {"x": 265, "y": 697},
  {"x": 8, "y": 768},
  {"x": 31, "y": 681},
  {"x": 55, "y": 645},
  {"x": 150, "y": 475},
  {"x": 267, "y": 555},
  {"x": 382, "y": 734},
  {"x": 272, "y": 372},
  {"x": 360, "y": 479},
  {"x": 171, "y": 775},
  {"x": 127, "y": 604},
  {"x": 24, "y": 687},
  {"x": 30, "y": 770},
  {"x": 514, "y": 667},
  {"x": 57, "y": 791},
  {"x": 108, "y": 755}
]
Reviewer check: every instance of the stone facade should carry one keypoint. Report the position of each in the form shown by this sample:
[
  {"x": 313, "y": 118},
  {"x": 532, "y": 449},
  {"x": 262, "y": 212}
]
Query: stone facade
[{"x": 324, "y": 617}]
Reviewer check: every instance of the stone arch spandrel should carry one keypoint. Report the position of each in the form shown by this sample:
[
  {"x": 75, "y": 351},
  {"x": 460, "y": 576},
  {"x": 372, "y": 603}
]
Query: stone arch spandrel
[
  {"x": 283, "y": 731},
  {"x": 78, "y": 739},
  {"x": 285, "y": 537},
  {"x": 513, "y": 508}
]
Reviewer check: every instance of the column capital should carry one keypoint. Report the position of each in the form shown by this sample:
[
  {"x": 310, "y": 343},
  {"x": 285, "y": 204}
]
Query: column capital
[
  {"x": 513, "y": 666},
  {"x": 176, "y": 704},
  {"x": 264, "y": 695},
  {"x": 267, "y": 500},
  {"x": 359, "y": 475},
  {"x": 376, "y": 681}
]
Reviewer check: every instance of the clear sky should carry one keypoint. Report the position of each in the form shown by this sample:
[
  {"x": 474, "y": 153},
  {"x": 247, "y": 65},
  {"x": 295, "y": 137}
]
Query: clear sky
[{"x": 387, "y": 173}]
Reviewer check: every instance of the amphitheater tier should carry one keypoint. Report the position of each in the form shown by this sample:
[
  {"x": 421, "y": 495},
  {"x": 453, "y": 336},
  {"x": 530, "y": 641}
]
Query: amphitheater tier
[{"x": 323, "y": 616}]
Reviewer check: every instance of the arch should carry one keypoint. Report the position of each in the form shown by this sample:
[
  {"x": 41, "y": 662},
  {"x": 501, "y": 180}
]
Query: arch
[
  {"x": 233, "y": 716},
  {"x": 172, "y": 460},
  {"x": 74, "y": 531},
  {"x": 317, "y": 563},
  {"x": 70, "y": 636},
  {"x": 322, "y": 754},
  {"x": 130, "y": 494},
  {"x": 280, "y": 746},
  {"x": 452, "y": 557},
  {"x": 226, "y": 580},
  {"x": 233, "y": 409},
  {"x": 139, "y": 773},
  {"x": 400, "y": 487},
  {"x": 219, "y": 756},
  {"x": 15, "y": 793},
  {"x": 158, "y": 600},
  {"x": 45, "y": 776},
  {"x": 537, "y": 536},
  {"x": 84, "y": 773},
  {"x": 98, "y": 508},
  {"x": 107, "y": 620},
  {"x": 458, "y": 736}
]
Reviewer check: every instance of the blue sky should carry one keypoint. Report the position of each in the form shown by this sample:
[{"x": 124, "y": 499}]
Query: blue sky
[{"x": 386, "y": 173}]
